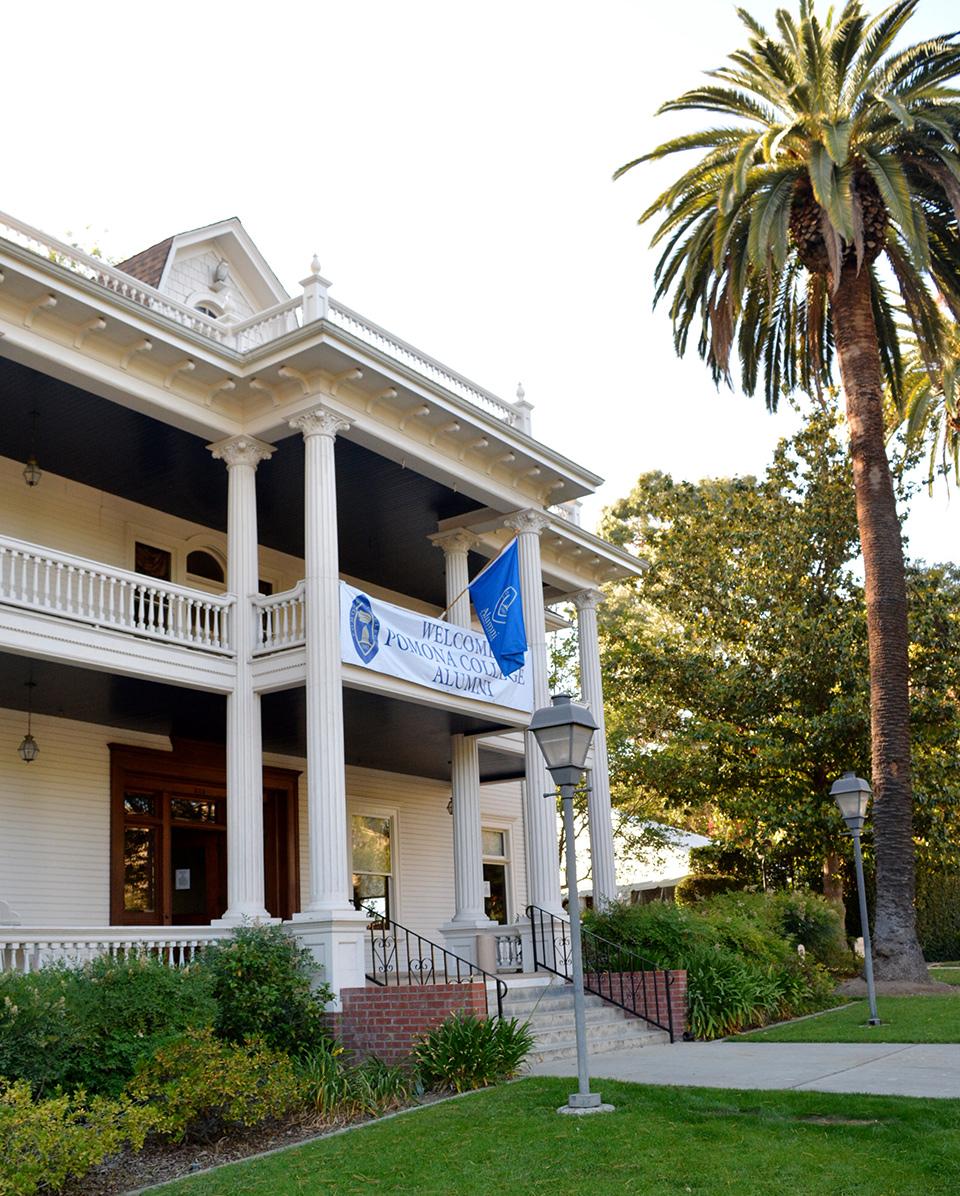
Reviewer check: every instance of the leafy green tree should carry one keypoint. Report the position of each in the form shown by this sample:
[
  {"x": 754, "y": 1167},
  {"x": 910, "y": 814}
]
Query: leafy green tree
[
  {"x": 836, "y": 150},
  {"x": 737, "y": 673}
]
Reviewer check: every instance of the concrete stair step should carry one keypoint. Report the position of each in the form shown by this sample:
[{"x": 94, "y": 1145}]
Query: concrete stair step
[
  {"x": 567, "y": 1048},
  {"x": 616, "y": 1031}
]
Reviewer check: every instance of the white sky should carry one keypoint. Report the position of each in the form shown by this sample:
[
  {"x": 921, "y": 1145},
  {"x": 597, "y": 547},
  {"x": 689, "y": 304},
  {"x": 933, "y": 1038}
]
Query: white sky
[{"x": 449, "y": 162}]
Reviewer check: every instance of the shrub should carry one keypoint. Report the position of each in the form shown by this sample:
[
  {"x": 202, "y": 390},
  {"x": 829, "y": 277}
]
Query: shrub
[
  {"x": 199, "y": 1087},
  {"x": 47, "y": 1142},
  {"x": 692, "y": 889},
  {"x": 91, "y": 1026},
  {"x": 466, "y": 1051},
  {"x": 262, "y": 984},
  {"x": 334, "y": 1089},
  {"x": 742, "y": 967},
  {"x": 808, "y": 918},
  {"x": 938, "y": 914}
]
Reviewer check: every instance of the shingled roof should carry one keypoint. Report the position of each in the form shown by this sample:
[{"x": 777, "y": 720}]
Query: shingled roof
[{"x": 149, "y": 263}]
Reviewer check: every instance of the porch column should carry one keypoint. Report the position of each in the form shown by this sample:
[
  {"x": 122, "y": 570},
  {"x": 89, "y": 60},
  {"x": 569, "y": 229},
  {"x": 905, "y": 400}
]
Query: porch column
[
  {"x": 465, "y": 761},
  {"x": 328, "y": 923},
  {"x": 598, "y": 799},
  {"x": 245, "y": 895},
  {"x": 540, "y": 813}
]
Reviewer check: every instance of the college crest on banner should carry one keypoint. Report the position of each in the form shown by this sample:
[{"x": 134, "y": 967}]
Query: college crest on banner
[{"x": 401, "y": 643}]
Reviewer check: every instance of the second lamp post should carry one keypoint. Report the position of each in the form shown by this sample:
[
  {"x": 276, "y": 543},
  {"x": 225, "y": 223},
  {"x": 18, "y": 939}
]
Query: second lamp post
[{"x": 564, "y": 732}]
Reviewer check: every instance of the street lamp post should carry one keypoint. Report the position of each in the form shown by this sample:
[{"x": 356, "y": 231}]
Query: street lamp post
[
  {"x": 851, "y": 793},
  {"x": 563, "y": 733}
]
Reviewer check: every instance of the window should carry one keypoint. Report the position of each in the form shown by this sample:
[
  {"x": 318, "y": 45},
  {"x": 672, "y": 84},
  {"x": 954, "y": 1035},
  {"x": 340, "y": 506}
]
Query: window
[
  {"x": 372, "y": 863},
  {"x": 207, "y": 309},
  {"x": 496, "y": 861},
  {"x": 153, "y": 561},
  {"x": 204, "y": 564}
]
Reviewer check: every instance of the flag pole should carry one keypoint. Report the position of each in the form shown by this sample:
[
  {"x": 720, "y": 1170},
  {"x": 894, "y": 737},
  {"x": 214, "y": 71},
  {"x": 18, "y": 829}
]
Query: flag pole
[{"x": 466, "y": 589}]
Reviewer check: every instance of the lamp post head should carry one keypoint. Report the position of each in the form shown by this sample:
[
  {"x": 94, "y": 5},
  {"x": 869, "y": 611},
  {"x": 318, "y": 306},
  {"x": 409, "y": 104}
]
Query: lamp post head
[
  {"x": 852, "y": 793},
  {"x": 564, "y": 732}
]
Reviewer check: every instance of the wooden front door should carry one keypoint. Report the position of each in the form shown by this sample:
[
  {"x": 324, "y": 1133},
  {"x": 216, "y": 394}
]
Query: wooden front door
[{"x": 169, "y": 814}]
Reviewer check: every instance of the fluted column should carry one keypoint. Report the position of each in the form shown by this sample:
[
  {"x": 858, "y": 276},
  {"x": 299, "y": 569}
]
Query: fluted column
[
  {"x": 464, "y": 755},
  {"x": 245, "y": 891},
  {"x": 599, "y": 813},
  {"x": 326, "y": 781},
  {"x": 543, "y": 865}
]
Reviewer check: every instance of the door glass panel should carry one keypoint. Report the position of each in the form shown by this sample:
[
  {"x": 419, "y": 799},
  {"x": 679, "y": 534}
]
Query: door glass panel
[
  {"x": 140, "y": 869},
  {"x": 144, "y": 804},
  {"x": 495, "y": 882},
  {"x": 371, "y": 844},
  {"x": 188, "y": 809}
]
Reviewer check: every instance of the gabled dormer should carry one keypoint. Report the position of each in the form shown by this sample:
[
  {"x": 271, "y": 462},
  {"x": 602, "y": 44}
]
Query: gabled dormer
[{"x": 216, "y": 270}]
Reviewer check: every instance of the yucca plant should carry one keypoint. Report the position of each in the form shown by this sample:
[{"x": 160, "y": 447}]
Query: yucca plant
[{"x": 836, "y": 152}]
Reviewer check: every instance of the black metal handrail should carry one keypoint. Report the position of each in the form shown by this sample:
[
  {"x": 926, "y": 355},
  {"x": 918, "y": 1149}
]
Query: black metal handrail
[
  {"x": 393, "y": 945},
  {"x": 615, "y": 973}
]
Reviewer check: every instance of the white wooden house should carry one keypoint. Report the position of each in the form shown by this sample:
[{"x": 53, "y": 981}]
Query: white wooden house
[{"x": 194, "y": 466}]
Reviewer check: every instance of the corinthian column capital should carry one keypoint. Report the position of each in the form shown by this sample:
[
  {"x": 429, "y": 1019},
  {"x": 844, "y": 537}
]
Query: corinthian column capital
[
  {"x": 588, "y": 599},
  {"x": 320, "y": 421},
  {"x": 241, "y": 450},
  {"x": 529, "y": 521},
  {"x": 459, "y": 539}
]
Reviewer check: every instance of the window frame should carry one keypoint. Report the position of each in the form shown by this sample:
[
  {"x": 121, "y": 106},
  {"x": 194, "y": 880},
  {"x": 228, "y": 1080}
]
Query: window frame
[
  {"x": 364, "y": 809},
  {"x": 502, "y": 826}
]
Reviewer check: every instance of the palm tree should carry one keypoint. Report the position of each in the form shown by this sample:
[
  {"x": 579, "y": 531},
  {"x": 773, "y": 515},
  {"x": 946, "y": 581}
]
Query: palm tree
[
  {"x": 930, "y": 409},
  {"x": 826, "y": 200}
]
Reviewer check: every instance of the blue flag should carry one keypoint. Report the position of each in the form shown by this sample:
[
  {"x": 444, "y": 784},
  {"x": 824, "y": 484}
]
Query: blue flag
[{"x": 495, "y": 592}]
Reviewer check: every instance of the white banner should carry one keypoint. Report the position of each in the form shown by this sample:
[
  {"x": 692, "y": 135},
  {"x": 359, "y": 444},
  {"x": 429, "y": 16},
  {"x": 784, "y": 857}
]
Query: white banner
[{"x": 457, "y": 660}]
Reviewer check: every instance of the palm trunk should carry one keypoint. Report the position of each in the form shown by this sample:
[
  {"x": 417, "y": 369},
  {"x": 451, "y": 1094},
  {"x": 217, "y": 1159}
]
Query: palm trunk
[{"x": 896, "y": 950}]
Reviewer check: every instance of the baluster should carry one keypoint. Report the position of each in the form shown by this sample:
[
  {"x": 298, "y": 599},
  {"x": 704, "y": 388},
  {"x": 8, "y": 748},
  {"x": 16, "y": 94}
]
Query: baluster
[
  {"x": 101, "y": 605},
  {"x": 69, "y": 602},
  {"x": 35, "y": 595},
  {"x": 91, "y": 590},
  {"x": 47, "y": 565},
  {"x": 206, "y": 623},
  {"x": 4, "y": 587},
  {"x": 58, "y": 587}
]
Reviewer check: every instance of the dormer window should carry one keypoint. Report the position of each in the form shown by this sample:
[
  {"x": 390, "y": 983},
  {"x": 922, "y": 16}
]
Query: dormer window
[{"x": 208, "y": 309}]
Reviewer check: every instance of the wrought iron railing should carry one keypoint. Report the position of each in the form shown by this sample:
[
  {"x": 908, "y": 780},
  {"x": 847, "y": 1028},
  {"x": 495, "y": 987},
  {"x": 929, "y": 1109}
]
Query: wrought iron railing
[
  {"x": 617, "y": 974},
  {"x": 401, "y": 956}
]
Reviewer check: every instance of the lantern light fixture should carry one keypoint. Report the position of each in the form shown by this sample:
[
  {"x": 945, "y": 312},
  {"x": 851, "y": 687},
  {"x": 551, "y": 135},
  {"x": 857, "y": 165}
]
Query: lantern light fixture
[
  {"x": 32, "y": 472},
  {"x": 29, "y": 749}
]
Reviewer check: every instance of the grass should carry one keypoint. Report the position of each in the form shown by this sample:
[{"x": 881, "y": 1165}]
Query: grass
[
  {"x": 660, "y": 1141},
  {"x": 904, "y": 1019},
  {"x": 946, "y": 975}
]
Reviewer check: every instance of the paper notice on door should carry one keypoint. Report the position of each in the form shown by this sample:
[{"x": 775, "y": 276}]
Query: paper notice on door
[{"x": 181, "y": 878}]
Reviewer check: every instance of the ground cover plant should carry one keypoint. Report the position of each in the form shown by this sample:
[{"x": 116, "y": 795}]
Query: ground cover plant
[
  {"x": 740, "y": 953},
  {"x": 903, "y": 1019},
  {"x": 660, "y": 1141}
]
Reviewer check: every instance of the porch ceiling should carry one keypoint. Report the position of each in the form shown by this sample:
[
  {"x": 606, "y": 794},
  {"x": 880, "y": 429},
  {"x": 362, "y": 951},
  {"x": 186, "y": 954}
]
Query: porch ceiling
[
  {"x": 385, "y": 512},
  {"x": 380, "y": 732}
]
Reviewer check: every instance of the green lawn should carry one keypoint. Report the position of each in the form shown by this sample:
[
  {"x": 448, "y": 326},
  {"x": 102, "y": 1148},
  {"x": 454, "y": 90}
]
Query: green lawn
[
  {"x": 946, "y": 975},
  {"x": 905, "y": 1019},
  {"x": 659, "y": 1141}
]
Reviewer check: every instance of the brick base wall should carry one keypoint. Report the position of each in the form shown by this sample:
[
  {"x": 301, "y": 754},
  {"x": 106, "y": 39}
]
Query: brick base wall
[
  {"x": 652, "y": 994},
  {"x": 387, "y": 1021}
]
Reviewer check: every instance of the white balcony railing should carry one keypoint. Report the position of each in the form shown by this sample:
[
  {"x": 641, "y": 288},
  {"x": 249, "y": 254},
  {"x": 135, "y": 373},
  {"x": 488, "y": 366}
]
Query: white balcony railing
[
  {"x": 23, "y": 949},
  {"x": 262, "y": 328},
  {"x": 70, "y": 587},
  {"x": 280, "y": 620}
]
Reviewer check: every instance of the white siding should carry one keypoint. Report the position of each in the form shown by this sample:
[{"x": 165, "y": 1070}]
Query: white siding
[
  {"x": 55, "y": 825},
  {"x": 77, "y": 519},
  {"x": 55, "y": 819}
]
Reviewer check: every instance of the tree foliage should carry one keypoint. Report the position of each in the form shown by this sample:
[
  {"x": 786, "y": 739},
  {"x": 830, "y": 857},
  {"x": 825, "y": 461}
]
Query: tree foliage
[{"x": 737, "y": 675}]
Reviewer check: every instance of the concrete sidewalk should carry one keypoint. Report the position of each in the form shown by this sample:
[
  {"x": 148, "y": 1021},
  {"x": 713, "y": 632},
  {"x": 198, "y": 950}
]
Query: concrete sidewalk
[{"x": 894, "y": 1069}]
